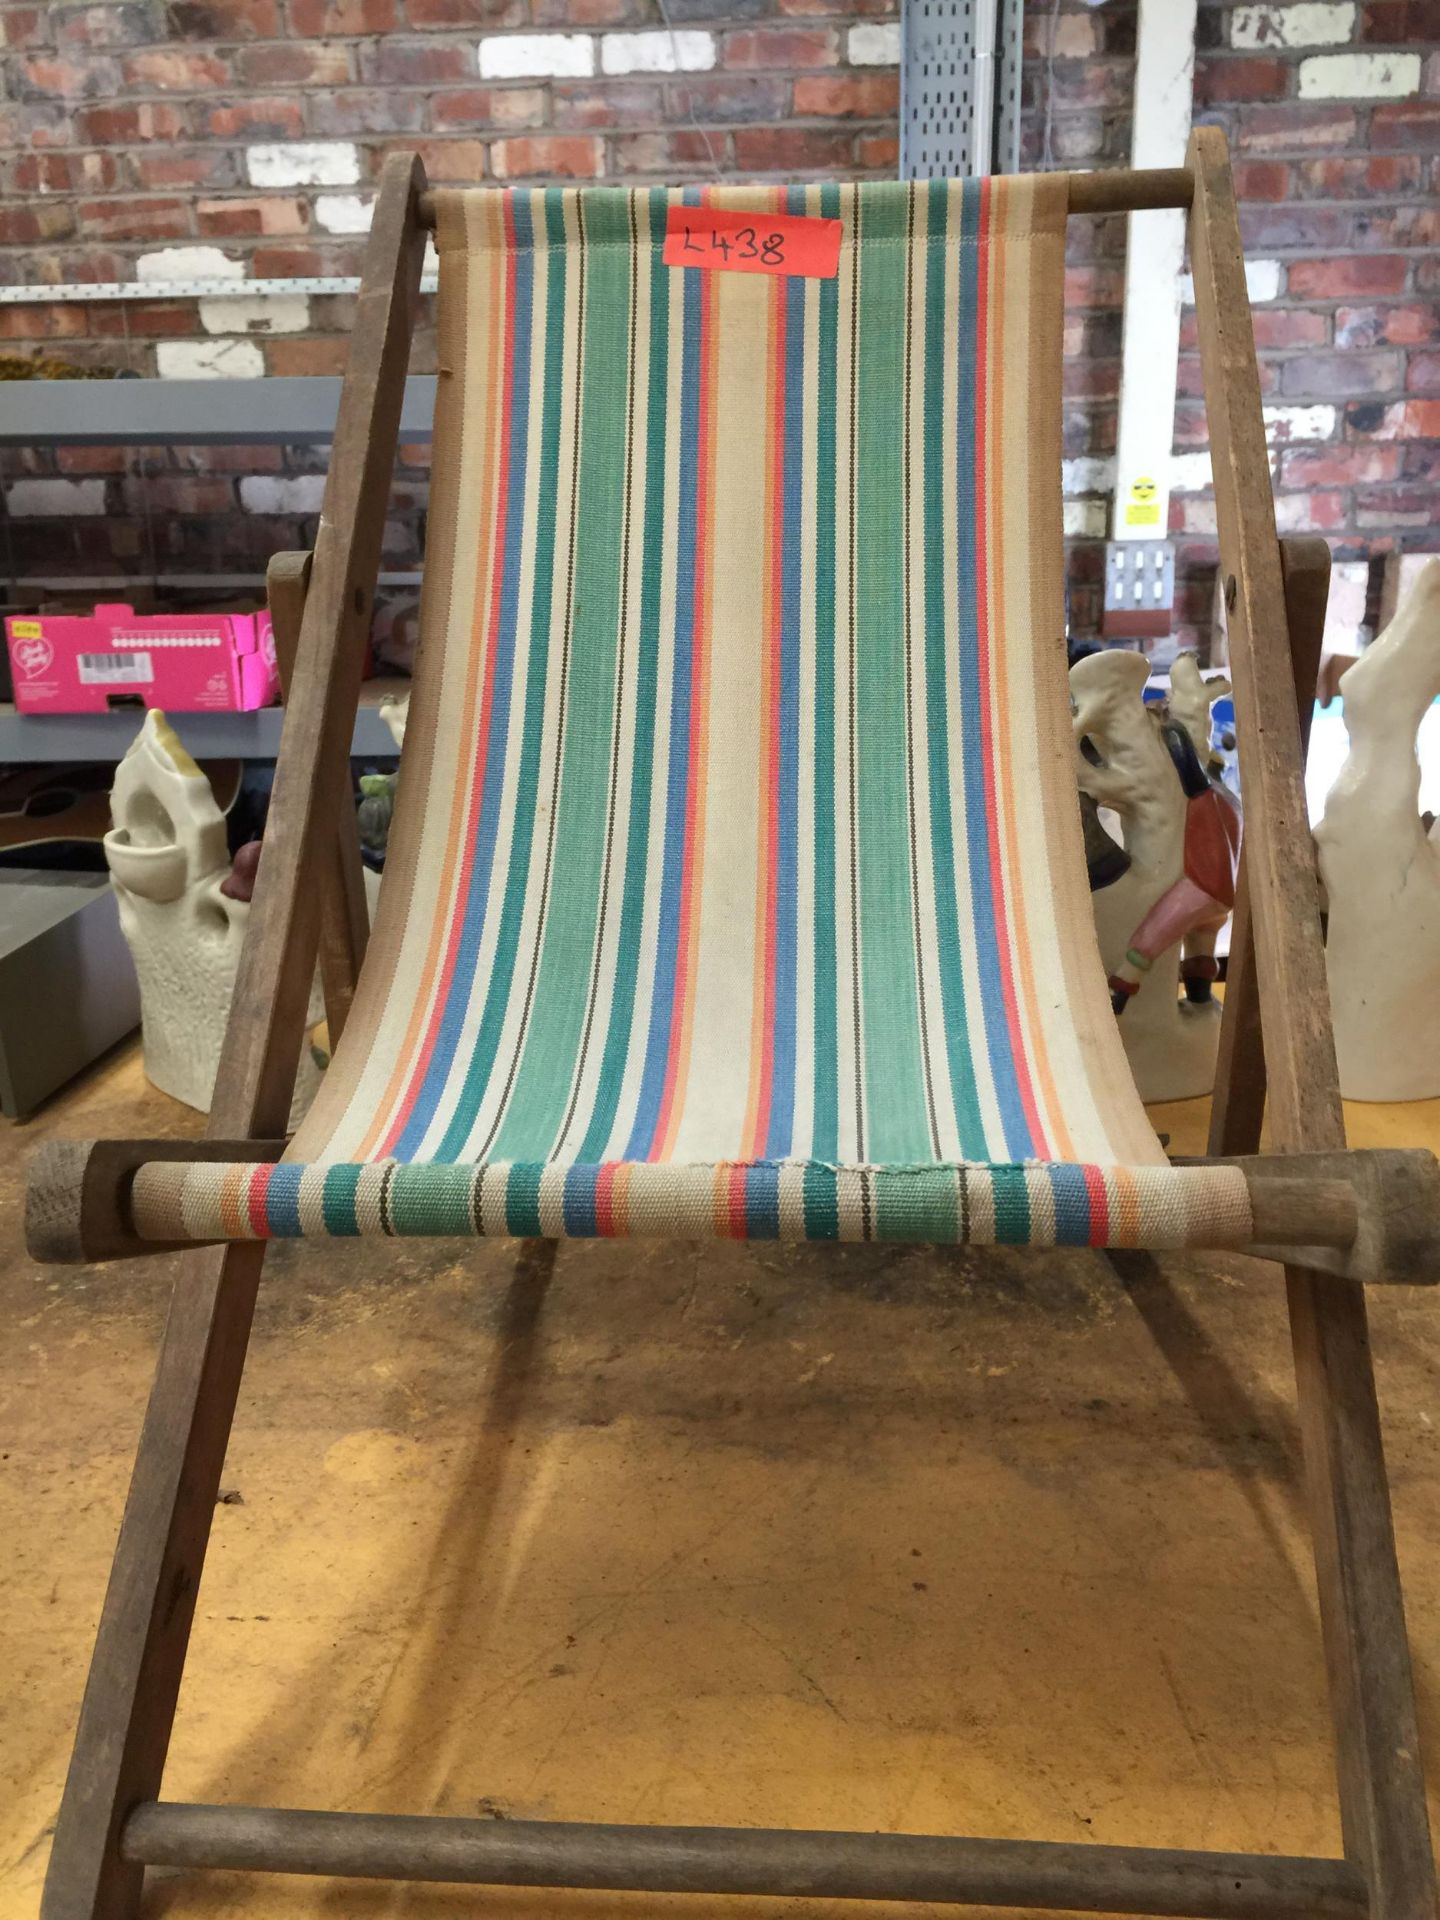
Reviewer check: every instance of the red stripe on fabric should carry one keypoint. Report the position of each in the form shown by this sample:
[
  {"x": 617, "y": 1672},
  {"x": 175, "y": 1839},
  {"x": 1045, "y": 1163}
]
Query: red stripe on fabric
[
  {"x": 255, "y": 1200},
  {"x": 1099, "y": 1206},
  {"x": 604, "y": 1200},
  {"x": 421, "y": 1063},
  {"x": 1039, "y": 1144}
]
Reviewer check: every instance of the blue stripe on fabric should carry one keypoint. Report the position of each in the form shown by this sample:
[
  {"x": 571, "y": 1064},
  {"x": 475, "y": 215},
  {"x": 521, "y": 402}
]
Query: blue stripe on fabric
[
  {"x": 579, "y": 1201},
  {"x": 762, "y": 1203},
  {"x": 482, "y": 855},
  {"x": 1072, "y": 1206},
  {"x": 687, "y": 540},
  {"x": 282, "y": 1200},
  {"x": 974, "y": 693}
]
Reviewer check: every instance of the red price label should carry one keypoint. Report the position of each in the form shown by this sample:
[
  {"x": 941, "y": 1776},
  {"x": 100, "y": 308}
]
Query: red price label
[{"x": 752, "y": 242}]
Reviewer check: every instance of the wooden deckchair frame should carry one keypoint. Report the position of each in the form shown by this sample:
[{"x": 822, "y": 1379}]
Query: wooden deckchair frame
[{"x": 112, "y": 1823}]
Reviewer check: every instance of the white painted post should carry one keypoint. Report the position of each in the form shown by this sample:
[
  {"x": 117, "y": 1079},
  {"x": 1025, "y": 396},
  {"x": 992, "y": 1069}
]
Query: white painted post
[{"x": 1164, "y": 76}]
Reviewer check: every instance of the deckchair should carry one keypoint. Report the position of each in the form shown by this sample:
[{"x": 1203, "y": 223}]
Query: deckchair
[{"x": 736, "y": 888}]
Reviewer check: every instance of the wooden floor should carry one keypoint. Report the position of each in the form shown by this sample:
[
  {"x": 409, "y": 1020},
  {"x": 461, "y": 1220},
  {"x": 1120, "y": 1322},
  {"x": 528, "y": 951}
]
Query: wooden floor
[{"x": 880, "y": 1538}]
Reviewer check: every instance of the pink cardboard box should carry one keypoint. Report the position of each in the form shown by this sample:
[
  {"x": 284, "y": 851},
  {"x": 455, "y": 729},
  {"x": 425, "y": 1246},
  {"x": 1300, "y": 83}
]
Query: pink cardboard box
[{"x": 186, "y": 663}]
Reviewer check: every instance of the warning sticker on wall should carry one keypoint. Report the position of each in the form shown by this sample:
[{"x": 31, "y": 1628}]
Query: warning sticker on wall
[{"x": 1142, "y": 506}]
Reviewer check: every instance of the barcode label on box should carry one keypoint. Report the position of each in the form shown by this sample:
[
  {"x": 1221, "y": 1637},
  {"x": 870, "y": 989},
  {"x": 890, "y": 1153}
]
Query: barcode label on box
[{"x": 115, "y": 669}]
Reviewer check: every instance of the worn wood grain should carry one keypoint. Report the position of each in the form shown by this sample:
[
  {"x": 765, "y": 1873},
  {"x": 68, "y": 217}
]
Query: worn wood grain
[
  {"x": 139, "y": 1656},
  {"x": 1237, "y": 1109},
  {"x": 344, "y": 908},
  {"x": 1382, "y": 1790}
]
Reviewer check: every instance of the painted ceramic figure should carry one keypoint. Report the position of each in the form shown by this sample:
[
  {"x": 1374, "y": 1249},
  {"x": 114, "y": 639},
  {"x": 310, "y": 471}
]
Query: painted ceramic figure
[
  {"x": 183, "y": 910},
  {"x": 1180, "y": 837},
  {"x": 1380, "y": 864}
]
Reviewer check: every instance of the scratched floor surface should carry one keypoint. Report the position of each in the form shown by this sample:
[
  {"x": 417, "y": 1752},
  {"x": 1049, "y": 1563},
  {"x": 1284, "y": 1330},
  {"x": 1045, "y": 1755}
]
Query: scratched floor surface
[{"x": 883, "y": 1539}]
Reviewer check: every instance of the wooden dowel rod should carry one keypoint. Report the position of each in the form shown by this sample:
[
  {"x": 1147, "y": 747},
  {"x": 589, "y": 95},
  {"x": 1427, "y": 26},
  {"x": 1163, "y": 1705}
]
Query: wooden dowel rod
[
  {"x": 1303, "y": 1213},
  {"x": 1112, "y": 190},
  {"x": 747, "y": 1860}
]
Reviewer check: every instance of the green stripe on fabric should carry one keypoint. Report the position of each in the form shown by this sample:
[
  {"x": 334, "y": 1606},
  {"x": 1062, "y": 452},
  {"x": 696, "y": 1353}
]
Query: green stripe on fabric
[
  {"x": 426, "y": 1198},
  {"x": 542, "y": 1085},
  {"x": 895, "y": 1110},
  {"x": 821, "y": 1203},
  {"x": 337, "y": 1200},
  {"x": 965, "y": 1098},
  {"x": 825, "y": 1127},
  {"x": 637, "y": 848},
  {"x": 1012, "y": 1206},
  {"x": 522, "y": 1202},
  {"x": 916, "y": 1203}
]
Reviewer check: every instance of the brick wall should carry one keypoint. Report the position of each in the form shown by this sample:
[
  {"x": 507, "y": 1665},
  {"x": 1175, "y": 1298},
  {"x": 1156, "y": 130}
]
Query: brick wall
[{"x": 242, "y": 138}]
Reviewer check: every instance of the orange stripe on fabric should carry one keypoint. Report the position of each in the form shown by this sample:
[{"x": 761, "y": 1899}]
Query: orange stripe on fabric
[
  {"x": 1128, "y": 1211},
  {"x": 408, "y": 1065}
]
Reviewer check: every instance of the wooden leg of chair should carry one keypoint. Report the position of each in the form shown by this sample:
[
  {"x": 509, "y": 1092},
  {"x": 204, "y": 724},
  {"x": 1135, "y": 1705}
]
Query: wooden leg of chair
[
  {"x": 344, "y": 908},
  {"x": 1382, "y": 1791},
  {"x": 140, "y": 1652},
  {"x": 129, "y": 1705},
  {"x": 1237, "y": 1110}
]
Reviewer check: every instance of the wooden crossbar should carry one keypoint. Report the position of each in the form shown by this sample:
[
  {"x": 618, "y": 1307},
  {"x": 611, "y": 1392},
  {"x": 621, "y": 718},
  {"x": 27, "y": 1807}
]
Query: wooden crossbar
[
  {"x": 1059, "y": 1877},
  {"x": 112, "y": 1824}
]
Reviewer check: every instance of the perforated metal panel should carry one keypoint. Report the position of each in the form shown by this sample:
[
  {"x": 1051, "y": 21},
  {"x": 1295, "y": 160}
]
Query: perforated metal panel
[
  {"x": 953, "y": 89},
  {"x": 1009, "y": 51}
]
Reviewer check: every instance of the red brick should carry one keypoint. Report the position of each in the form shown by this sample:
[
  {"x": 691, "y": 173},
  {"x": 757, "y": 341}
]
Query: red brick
[
  {"x": 293, "y": 357},
  {"x": 264, "y": 213},
  {"x": 1325, "y": 512},
  {"x": 1340, "y": 376},
  {"x": 263, "y": 119},
  {"x": 145, "y": 319},
  {"x": 365, "y": 111},
  {"x": 67, "y": 79},
  {"x": 1360, "y": 177},
  {"x": 293, "y": 64},
  {"x": 200, "y": 167},
  {"x": 173, "y": 70},
  {"x": 1227, "y": 78},
  {"x": 778, "y": 47},
  {"x": 1339, "y": 466},
  {"x": 1406, "y": 123},
  {"x": 1297, "y": 224},
  {"x": 492, "y": 107},
  {"x": 225, "y": 19},
  {"x": 572, "y": 13},
  {"x": 1401, "y": 23},
  {"x": 24, "y": 226},
  {"x": 658, "y": 152},
  {"x": 600, "y": 104},
  {"x": 798, "y": 149},
  {"x": 1400, "y": 506},
  {"x": 75, "y": 460},
  {"x": 877, "y": 153},
  {"x": 1284, "y": 328},
  {"x": 1296, "y": 126},
  {"x": 1094, "y": 286},
  {"x": 41, "y": 323},
  {"x": 728, "y": 96},
  {"x": 1374, "y": 273},
  {"x": 1262, "y": 180},
  {"x": 1399, "y": 227},
  {"x": 228, "y": 459},
  {"x": 459, "y": 14},
  {"x": 1413, "y": 326},
  {"x": 1423, "y": 373},
  {"x": 1094, "y": 83},
  {"x": 291, "y": 263},
  {"x": 24, "y": 27},
  {"x": 456, "y": 161},
  {"x": 127, "y": 24},
  {"x": 135, "y": 219},
  {"x": 179, "y": 493},
  {"x": 557, "y": 156},
  {"x": 415, "y": 63},
  {"x": 837, "y": 96},
  {"x": 313, "y": 17},
  {"x": 123, "y": 126},
  {"x": 66, "y": 172}
]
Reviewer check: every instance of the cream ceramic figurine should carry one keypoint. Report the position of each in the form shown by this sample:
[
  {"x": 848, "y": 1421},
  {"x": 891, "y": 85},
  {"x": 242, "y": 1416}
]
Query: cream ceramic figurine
[
  {"x": 1160, "y": 917},
  {"x": 182, "y": 912},
  {"x": 1381, "y": 869}
]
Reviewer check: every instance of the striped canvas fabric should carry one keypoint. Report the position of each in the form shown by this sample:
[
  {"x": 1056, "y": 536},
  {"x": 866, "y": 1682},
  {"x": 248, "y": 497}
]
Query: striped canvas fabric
[{"x": 736, "y": 883}]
